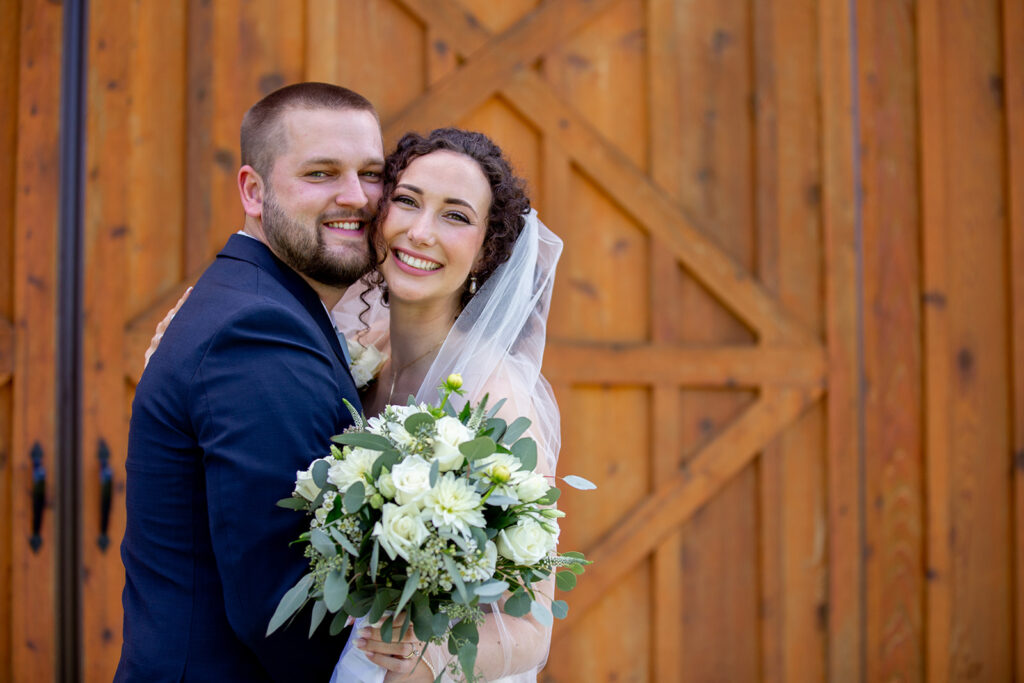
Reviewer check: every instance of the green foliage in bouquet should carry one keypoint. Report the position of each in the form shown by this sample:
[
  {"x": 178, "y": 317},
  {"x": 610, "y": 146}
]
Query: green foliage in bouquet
[{"x": 430, "y": 513}]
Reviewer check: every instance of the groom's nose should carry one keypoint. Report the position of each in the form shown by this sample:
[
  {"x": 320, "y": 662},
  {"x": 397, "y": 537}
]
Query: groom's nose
[{"x": 350, "y": 192}]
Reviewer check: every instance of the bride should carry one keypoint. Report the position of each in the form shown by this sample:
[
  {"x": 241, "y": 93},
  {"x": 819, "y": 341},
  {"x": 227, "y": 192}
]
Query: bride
[{"x": 463, "y": 284}]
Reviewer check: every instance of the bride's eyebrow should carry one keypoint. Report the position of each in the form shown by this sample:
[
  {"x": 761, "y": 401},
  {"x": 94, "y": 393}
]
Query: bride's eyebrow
[{"x": 447, "y": 200}]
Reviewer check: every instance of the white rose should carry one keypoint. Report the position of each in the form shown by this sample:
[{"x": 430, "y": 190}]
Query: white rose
[
  {"x": 450, "y": 433},
  {"x": 411, "y": 480},
  {"x": 357, "y": 465},
  {"x": 527, "y": 542},
  {"x": 453, "y": 504},
  {"x": 304, "y": 484},
  {"x": 400, "y": 530},
  {"x": 530, "y": 486}
]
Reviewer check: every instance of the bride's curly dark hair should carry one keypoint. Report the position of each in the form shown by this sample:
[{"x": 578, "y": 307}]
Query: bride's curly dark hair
[{"x": 509, "y": 203}]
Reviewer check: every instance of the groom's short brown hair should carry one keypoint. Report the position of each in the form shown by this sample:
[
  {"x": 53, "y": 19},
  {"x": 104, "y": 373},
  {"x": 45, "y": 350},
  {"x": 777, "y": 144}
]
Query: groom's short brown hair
[{"x": 261, "y": 127}]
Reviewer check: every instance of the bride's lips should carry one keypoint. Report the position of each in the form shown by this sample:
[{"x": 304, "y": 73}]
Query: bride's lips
[{"x": 413, "y": 263}]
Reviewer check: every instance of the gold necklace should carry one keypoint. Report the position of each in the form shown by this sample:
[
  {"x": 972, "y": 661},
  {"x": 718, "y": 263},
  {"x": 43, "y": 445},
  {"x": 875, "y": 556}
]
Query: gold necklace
[{"x": 394, "y": 376}]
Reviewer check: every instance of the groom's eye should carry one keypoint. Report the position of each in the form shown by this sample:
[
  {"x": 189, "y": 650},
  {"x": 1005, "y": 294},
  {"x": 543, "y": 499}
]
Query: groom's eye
[{"x": 317, "y": 174}]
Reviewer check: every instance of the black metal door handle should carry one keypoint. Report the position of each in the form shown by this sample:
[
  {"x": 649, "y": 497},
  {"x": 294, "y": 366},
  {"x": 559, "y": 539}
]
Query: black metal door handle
[
  {"x": 106, "y": 494},
  {"x": 35, "y": 541}
]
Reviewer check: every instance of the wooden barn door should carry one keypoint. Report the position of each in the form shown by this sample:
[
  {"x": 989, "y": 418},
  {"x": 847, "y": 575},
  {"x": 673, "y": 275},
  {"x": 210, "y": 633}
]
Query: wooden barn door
[{"x": 686, "y": 331}]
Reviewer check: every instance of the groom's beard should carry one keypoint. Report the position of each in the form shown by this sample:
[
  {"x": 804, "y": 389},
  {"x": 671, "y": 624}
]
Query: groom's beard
[{"x": 302, "y": 247}]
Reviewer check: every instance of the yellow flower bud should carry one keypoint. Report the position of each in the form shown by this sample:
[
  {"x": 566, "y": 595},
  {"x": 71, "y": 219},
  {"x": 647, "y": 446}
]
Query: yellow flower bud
[
  {"x": 454, "y": 381},
  {"x": 501, "y": 474},
  {"x": 376, "y": 501}
]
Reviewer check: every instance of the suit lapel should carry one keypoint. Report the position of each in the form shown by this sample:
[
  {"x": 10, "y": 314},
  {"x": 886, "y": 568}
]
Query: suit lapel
[{"x": 257, "y": 253}]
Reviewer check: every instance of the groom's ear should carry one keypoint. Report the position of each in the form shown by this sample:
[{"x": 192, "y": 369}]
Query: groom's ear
[{"x": 250, "y": 188}]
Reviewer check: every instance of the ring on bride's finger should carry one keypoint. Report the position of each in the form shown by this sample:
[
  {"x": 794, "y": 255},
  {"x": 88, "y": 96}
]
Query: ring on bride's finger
[{"x": 409, "y": 656}]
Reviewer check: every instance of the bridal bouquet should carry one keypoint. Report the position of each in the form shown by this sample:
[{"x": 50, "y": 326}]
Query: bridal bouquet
[{"x": 430, "y": 513}]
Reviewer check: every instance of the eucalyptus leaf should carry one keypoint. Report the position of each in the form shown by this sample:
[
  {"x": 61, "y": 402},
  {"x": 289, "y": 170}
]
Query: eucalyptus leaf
[
  {"x": 387, "y": 629},
  {"x": 541, "y": 613},
  {"x": 495, "y": 428},
  {"x": 373, "y": 442},
  {"x": 374, "y": 559},
  {"x": 322, "y": 543},
  {"x": 417, "y": 421},
  {"x": 343, "y": 541},
  {"x": 319, "y": 612},
  {"x": 338, "y": 623},
  {"x": 550, "y": 497},
  {"x": 579, "y": 483},
  {"x": 354, "y": 497},
  {"x": 466, "y": 630},
  {"x": 293, "y": 503},
  {"x": 359, "y": 603},
  {"x": 381, "y": 601},
  {"x": 492, "y": 587},
  {"x": 565, "y": 581},
  {"x": 516, "y": 429},
  {"x": 499, "y": 499},
  {"x": 479, "y": 447},
  {"x": 560, "y": 609},
  {"x": 449, "y": 564},
  {"x": 494, "y": 409},
  {"x": 435, "y": 473},
  {"x": 518, "y": 605},
  {"x": 411, "y": 584},
  {"x": 422, "y": 622},
  {"x": 335, "y": 590},
  {"x": 479, "y": 536},
  {"x": 291, "y": 602},
  {"x": 526, "y": 450},
  {"x": 319, "y": 473},
  {"x": 388, "y": 458},
  {"x": 467, "y": 657},
  {"x": 440, "y": 621}
]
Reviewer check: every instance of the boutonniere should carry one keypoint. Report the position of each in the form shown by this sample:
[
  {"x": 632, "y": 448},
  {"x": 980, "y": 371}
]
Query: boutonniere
[{"x": 366, "y": 362}]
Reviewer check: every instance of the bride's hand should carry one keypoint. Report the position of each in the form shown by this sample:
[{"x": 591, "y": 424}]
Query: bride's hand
[
  {"x": 400, "y": 657},
  {"x": 162, "y": 326}
]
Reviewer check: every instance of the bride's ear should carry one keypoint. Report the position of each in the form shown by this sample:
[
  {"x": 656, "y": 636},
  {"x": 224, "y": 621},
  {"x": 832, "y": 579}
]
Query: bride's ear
[{"x": 250, "y": 188}]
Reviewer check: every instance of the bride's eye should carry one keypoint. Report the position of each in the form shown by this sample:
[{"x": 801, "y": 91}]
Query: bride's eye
[
  {"x": 457, "y": 216},
  {"x": 403, "y": 199}
]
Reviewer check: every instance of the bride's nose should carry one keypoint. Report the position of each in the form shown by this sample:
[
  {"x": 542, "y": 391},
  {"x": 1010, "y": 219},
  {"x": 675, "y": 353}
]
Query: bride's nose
[{"x": 422, "y": 229}]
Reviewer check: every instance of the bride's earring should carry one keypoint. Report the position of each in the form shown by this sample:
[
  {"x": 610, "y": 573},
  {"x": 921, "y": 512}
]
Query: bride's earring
[
  {"x": 384, "y": 293},
  {"x": 472, "y": 284}
]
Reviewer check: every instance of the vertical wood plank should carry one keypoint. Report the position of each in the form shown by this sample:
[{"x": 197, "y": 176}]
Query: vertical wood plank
[
  {"x": 967, "y": 335},
  {"x": 10, "y": 39},
  {"x": 845, "y": 445},
  {"x": 114, "y": 27},
  {"x": 33, "y": 584},
  {"x": 792, "y": 491},
  {"x": 892, "y": 353},
  {"x": 1013, "y": 63}
]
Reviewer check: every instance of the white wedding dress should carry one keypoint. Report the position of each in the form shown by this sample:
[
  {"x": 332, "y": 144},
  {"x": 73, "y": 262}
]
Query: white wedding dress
[{"x": 497, "y": 345}]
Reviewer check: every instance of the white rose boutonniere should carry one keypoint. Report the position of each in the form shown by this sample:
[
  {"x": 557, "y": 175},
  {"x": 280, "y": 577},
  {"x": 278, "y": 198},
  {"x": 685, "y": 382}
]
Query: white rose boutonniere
[{"x": 366, "y": 362}]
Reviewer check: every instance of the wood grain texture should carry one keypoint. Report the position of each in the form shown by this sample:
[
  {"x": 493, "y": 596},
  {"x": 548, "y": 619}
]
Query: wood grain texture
[
  {"x": 894, "y": 459},
  {"x": 845, "y": 446},
  {"x": 10, "y": 62},
  {"x": 109, "y": 226},
  {"x": 792, "y": 492},
  {"x": 1013, "y": 64},
  {"x": 32, "y": 621}
]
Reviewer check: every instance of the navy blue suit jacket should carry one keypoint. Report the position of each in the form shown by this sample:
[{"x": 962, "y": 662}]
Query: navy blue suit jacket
[{"x": 245, "y": 389}]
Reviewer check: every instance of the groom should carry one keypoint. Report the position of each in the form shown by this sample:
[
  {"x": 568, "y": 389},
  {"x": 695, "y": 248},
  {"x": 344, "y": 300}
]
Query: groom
[{"x": 244, "y": 390}]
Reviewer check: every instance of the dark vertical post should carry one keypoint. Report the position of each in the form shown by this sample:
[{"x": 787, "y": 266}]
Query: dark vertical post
[{"x": 69, "y": 336}]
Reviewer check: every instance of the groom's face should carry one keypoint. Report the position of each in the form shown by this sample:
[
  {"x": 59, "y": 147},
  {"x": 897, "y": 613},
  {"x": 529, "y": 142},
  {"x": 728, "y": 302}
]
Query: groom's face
[{"x": 322, "y": 192}]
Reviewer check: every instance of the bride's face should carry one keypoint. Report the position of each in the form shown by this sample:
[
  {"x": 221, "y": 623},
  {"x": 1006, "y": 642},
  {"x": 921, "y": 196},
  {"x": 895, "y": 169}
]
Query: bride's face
[{"x": 435, "y": 225}]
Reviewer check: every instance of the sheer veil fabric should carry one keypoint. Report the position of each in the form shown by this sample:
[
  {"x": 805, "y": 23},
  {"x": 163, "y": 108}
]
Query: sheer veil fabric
[{"x": 497, "y": 345}]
